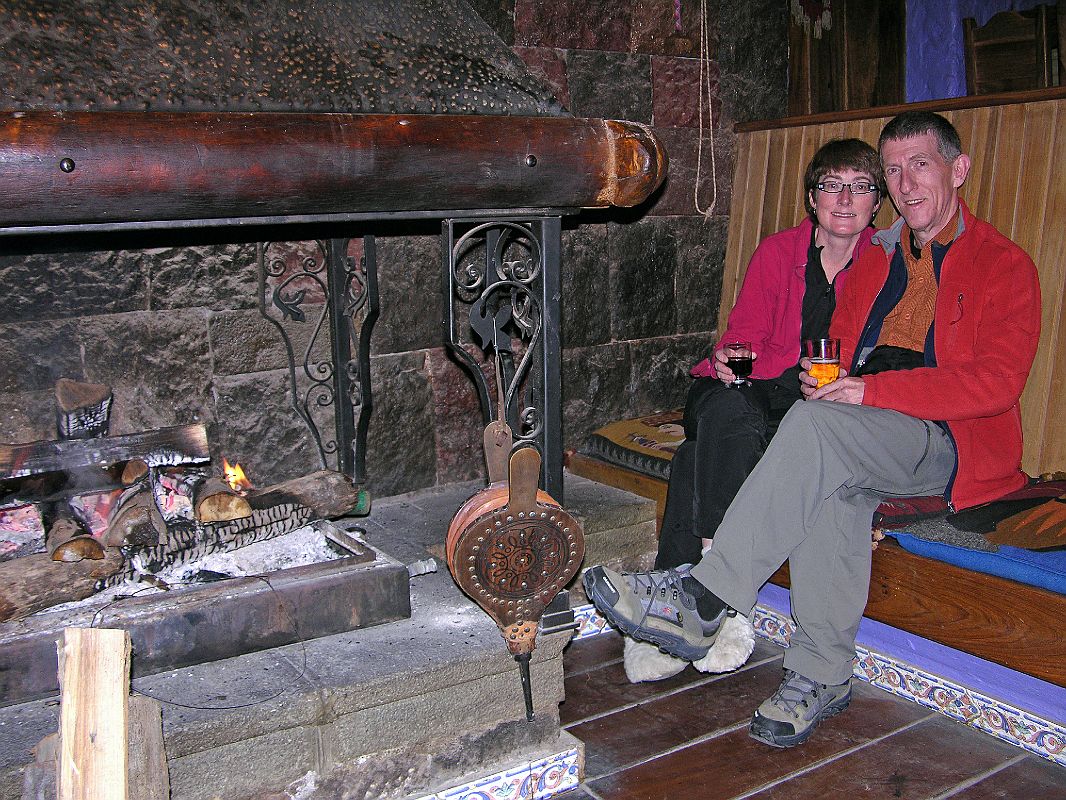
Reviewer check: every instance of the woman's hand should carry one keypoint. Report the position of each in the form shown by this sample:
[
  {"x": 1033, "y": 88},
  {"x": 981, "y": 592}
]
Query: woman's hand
[{"x": 721, "y": 366}]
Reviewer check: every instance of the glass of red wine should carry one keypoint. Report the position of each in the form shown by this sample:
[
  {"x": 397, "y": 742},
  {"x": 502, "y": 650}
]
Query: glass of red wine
[{"x": 738, "y": 359}]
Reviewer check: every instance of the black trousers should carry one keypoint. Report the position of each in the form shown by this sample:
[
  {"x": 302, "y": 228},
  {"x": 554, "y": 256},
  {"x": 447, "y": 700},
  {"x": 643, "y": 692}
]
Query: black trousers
[{"x": 726, "y": 431}]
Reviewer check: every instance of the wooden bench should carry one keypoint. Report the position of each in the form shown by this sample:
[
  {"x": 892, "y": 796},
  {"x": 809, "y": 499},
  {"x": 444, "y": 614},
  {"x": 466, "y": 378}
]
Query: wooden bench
[{"x": 1016, "y": 142}]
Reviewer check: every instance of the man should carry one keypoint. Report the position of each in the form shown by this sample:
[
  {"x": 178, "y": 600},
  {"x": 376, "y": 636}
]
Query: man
[{"x": 939, "y": 322}]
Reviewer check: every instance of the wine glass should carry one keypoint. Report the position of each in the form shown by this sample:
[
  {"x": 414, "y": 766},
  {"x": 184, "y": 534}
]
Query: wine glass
[{"x": 738, "y": 359}]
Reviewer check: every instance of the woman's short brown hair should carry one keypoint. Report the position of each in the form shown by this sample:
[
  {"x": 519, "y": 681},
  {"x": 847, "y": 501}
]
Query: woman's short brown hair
[{"x": 841, "y": 154}]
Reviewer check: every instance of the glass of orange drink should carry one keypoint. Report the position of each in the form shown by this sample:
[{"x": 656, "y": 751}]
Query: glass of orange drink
[{"x": 825, "y": 359}]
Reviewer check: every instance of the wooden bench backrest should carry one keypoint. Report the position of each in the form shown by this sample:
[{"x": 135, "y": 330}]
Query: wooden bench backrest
[{"x": 1016, "y": 145}]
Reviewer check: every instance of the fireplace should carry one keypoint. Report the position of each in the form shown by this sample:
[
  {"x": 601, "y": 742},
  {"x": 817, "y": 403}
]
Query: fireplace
[{"x": 212, "y": 257}]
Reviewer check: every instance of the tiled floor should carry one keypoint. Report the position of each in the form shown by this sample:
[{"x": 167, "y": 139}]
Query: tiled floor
[{"x": 686, "y": 738}]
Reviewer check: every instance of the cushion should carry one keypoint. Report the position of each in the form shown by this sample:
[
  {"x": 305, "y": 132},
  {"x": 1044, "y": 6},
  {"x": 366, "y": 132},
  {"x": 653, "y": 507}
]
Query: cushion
[
  {"x": 1044, "y": 569},
  {"x": 644, "y": 444}
]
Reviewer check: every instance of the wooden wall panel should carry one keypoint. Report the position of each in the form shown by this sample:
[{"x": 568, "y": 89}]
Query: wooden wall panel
[
  {"x": 1047, "y": 392},
  {"x": 1014, "y": 183}
]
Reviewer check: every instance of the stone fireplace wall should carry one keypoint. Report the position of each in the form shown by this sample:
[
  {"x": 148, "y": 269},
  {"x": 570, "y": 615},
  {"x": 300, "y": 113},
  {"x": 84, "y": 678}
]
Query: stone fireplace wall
[{"x": 173, "y": 326}]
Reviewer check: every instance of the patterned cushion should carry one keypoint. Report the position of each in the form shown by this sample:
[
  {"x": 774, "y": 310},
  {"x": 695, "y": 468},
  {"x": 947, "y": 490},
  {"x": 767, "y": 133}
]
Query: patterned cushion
[{"x": 644, "y": 444}]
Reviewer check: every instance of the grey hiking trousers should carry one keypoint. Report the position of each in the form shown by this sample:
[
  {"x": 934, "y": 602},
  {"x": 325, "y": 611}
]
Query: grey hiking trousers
[{"x": 810, "y": 500}]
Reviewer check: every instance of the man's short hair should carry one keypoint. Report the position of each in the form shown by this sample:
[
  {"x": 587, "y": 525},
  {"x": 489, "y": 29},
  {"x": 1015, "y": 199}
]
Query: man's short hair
[
  {"x": 837, "y": 155},
  {"x": 916, "y": 123}
]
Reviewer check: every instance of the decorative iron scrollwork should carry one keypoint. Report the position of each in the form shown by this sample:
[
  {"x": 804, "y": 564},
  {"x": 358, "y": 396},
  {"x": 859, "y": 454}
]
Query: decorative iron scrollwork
[
  {"x": 336, "y": 293},
  {"x": 497, "y": 315}
]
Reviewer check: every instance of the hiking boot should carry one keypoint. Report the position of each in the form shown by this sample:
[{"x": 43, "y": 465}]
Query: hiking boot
[
  {"x": 655, "y": 607},
  {"x": 799, "y": 704}
]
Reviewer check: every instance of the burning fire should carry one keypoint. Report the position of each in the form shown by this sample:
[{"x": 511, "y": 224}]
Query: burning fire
[{"x": 235, "y": 476}]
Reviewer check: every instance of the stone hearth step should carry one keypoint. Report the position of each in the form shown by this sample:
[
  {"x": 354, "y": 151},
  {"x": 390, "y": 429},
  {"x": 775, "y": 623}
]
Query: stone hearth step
[{"x": 400, "y": 710}]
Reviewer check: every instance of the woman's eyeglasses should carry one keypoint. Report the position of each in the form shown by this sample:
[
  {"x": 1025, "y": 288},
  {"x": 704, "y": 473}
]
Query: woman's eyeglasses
[{"x": 857, "y": 187}]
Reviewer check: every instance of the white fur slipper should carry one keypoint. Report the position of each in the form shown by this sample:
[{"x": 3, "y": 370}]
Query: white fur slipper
[
  {"x": 646, "y": 662},
  {"x": 735, "y": 643}
]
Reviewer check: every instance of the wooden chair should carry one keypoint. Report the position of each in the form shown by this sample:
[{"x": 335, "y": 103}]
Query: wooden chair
[{"x": 1013, "y": 51}]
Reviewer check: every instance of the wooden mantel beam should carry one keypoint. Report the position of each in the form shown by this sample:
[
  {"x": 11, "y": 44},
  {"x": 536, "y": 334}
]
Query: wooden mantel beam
[{"x": 74, "y": 168}]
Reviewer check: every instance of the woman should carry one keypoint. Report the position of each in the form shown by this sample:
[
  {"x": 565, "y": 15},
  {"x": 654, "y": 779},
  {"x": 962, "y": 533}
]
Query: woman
[{"x": 788, "y": 294}]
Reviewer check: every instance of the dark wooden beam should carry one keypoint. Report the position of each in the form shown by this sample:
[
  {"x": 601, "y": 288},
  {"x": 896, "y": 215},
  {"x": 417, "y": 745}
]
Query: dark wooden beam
[
  {"x": 941, "y": 106},
  {"x": 100, "y": 167}
]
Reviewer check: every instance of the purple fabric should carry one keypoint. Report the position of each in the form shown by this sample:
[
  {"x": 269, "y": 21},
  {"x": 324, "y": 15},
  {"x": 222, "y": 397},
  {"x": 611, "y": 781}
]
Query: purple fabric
[{"x": 935, "y": 64}]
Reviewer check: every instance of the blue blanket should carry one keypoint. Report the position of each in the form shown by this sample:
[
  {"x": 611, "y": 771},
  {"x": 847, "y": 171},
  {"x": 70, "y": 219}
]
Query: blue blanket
[{"x": 1043, "y": 568}]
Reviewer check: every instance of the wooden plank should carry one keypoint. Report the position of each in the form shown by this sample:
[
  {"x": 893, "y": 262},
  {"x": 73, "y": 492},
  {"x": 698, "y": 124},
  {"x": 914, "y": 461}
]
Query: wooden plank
[
  {"x": 1009, "y": 623},
  {"x": 1044, "y": 243},
  {"x": 941, "y": 106},
  {"x": 149, "y": 778},
  {"x": 100, "y": 167},
  {"x": 744, "y": 218},
  {"x": 980, "y": 145},
  {"x": 94, "y": 670},
  {"x": 1004, "y": 167},
  {"x": 777, "y": 181},
  {"x": 187, "y": 441},
  {"x": 1046, "y": 397}
]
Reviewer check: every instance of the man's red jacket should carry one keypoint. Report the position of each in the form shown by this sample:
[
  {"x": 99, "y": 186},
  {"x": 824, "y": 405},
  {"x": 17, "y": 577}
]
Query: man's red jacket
[{"x": 986, "y": 327}]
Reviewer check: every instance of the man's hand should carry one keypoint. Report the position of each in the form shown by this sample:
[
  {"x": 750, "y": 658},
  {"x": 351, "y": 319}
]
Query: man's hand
[
  {"x": 842, "y": 390},
  {"x": 721, "y": 366}
]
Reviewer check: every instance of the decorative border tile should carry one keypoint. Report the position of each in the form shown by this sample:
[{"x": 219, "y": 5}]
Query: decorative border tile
[
  {"x": 589, "y": 622},
  {"x": 537, "y": 780},
  {"x": 773, "y": 625},
  {"x": 986, "y": 714},
  {"x": 555, "y": 774}
]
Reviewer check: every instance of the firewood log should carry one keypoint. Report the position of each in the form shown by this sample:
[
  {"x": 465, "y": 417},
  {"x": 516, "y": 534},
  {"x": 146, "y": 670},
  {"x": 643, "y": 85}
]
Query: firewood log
[
  {"x": 83, "y": 410},
  {"x": 132, "y": 522},
  {"x": 134, "y": 470},
  {"x": 66, "y": 539},
  {"x": 31, "y": 583},
  {"x": 326, "y": 492},
  {"x": 215, "y": 501}
]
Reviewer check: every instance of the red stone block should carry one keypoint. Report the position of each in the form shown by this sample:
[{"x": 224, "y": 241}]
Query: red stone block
[
  {"x": 676, "y": 92},
  {"x": 550, "y": 66},
  {"x": 658, "y": 28},
  {"x": 573, "y": 24},
  {"x": 459, "y": 425},
  {"x": 677, "y": 198}
]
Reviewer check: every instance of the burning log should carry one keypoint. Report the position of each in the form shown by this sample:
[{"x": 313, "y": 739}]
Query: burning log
[
  {"x": 178, "y": 445},
  {"x": 135, "y": 520},
  {"x": 67, "y": 540},
  {"x": 214, "y": 501},
  {"x": 327, "y": 493},
  {"x": 36, "y": 582},
  {"x": 273, "y": 512}
]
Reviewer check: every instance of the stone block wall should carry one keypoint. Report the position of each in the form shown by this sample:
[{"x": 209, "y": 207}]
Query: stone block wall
[
  {"x": 641, "y": 286},
  {"x": 174, "y": 327}
]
